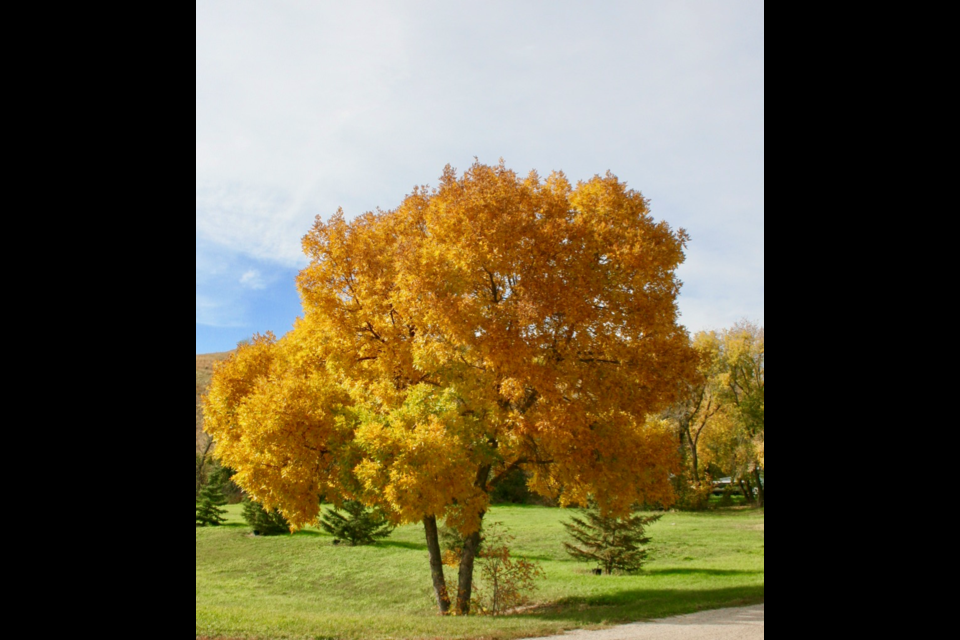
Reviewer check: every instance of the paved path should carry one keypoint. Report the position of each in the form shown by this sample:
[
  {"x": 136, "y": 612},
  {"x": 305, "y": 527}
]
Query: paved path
[{"x": 738, "y": 623}]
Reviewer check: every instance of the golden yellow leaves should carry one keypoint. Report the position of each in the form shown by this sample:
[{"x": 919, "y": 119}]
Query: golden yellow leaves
[
  {"x": 418, "y": 455},
  {"x": 280, "y": 424},
  {"x": 492, "y": 322},
  {"x": 512, "y": 389},
  {"x": 722, "y": 417}
]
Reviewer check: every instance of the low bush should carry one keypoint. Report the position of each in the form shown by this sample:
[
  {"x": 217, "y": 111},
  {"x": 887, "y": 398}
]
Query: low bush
[
  {"x": 264, "y": 523},
  {"x": 505, "y": 582},
  {"x": 209, "y": 500},
  {"x": 359, "y": 526},
  {"x": 615, "y": 544}
]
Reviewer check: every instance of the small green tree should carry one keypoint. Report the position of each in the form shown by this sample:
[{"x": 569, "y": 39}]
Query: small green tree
[
  {"x": 264, "y": 523},
  {"x": 359, "y": 526},
  {"x": 209, "y": 501},
  {"x": 616, "y": 544}
]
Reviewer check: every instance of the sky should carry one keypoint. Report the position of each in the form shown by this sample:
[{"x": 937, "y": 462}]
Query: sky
[{"x": 304, "y": 107}]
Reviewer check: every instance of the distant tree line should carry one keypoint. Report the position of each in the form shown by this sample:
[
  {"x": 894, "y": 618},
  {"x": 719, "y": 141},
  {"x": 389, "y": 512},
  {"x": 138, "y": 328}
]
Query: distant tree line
[{"x": 719, "y": 421}]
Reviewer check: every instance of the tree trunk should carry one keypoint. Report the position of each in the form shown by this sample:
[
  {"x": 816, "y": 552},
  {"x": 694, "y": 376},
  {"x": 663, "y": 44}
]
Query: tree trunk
[
  {"x": 470, "y": 547},
  {"x": 465, "y": 586},
  {"x": 694, "y": 461},
  {"x": 436, "y": 564},
  {"x": 687, "y": 443},
  {"x": 756, "y": 476}
]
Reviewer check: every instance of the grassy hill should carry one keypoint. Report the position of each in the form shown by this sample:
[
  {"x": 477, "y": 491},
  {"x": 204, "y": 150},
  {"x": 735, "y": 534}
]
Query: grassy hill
[{"x": 303, "y": 586}]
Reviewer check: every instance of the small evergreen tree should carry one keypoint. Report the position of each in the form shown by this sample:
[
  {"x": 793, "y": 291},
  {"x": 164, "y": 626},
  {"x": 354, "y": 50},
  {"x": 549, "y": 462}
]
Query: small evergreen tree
[
  {"x": 613, "y": 543},
  {"x": 264, "y": 523},
  {"x": 209, "y": 501},
  {"x": 359, "y": 526}
]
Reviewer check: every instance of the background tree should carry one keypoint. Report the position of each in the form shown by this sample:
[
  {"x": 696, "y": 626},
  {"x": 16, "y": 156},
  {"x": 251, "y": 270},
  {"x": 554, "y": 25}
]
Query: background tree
[
  {"x": 743, "y": 351},
  {"x": 728, "y": 447},
  {"x": 209, "y": 501},
  {"x": 719, "y": 417},
  {"x": 700, "y": 401},
  {"x": 206, "y": 465},
  {"x": 513, "y": 489},
  {"x": 359, "y": 526},
  {"x": 203, "y": 455},
  {"x": 615, "y": 544},
  {"x": 491, "y": 324},
  {"x": 209, "y": 469}
]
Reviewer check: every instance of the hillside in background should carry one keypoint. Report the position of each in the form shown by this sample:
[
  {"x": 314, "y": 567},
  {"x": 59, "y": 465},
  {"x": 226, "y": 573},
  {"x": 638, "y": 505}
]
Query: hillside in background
[{"x": 204, "y": 371}]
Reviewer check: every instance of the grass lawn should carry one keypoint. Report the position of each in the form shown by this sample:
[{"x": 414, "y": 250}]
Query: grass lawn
[{"x": 302, "y": 586}]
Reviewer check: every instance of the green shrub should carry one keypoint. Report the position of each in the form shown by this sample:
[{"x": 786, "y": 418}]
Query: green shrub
[
  {"x": 690, "y": 495},
  {"x": 208, "y": 468},
  {"x": 615, "y": 544},
  {"x": 264, "y": 523},
  {"x": 505, "y": 581},
  {"x": 209, "y": 501},
  {"x": 359, "y": 526}
]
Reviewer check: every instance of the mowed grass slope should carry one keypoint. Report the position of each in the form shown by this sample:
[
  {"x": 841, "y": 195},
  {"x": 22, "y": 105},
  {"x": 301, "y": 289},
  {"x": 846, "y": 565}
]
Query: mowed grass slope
[{"x": 304, "y": 586}]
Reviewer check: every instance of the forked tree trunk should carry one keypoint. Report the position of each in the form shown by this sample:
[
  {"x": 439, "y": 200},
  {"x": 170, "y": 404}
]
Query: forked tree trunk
[
  {"x": 465, "y": 584},
  {"x": 694, "y": 461},
  {"x": 436, "y": 564},
  {"x": 470, "y": 547}
]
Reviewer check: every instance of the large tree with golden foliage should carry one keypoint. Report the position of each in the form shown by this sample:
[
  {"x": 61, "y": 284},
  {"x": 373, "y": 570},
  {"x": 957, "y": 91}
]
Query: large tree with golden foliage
[{"x": 492, "y": 323}]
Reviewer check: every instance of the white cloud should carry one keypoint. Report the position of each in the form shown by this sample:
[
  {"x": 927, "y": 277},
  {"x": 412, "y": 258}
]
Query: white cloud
[
  {"x": 288, "y": 101},
  {"x": 253, "y": 279},
  {"x": 303, "y": 107}
]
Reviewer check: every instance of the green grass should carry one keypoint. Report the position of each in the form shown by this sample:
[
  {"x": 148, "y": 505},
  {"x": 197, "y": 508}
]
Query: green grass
[{"x": 301, "y": 586}]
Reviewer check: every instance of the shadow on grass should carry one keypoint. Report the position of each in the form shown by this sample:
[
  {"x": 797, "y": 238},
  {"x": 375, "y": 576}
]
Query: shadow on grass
[
  {"x": 646, "y": 604},
  {"x": 540, "y": 558},
  {"x": 402, "y": 545},
  {"x": 703, "y": 572},
  {"x": 716, "y": 512}
]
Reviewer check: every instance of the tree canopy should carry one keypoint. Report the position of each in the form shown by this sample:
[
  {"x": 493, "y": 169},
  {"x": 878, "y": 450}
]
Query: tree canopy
[{"x": 491, "y": 323}]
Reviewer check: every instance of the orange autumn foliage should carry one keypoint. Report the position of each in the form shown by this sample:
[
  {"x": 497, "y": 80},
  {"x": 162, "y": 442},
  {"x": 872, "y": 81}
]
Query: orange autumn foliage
[{"x": 491, "y": 323}]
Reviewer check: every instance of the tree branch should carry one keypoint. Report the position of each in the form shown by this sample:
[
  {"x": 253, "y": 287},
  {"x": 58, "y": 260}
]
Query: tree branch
[
  {"x": 464, "y": 361},
  {"x": 493, "y": 286},
  {"x": 373, "y": 331}
]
